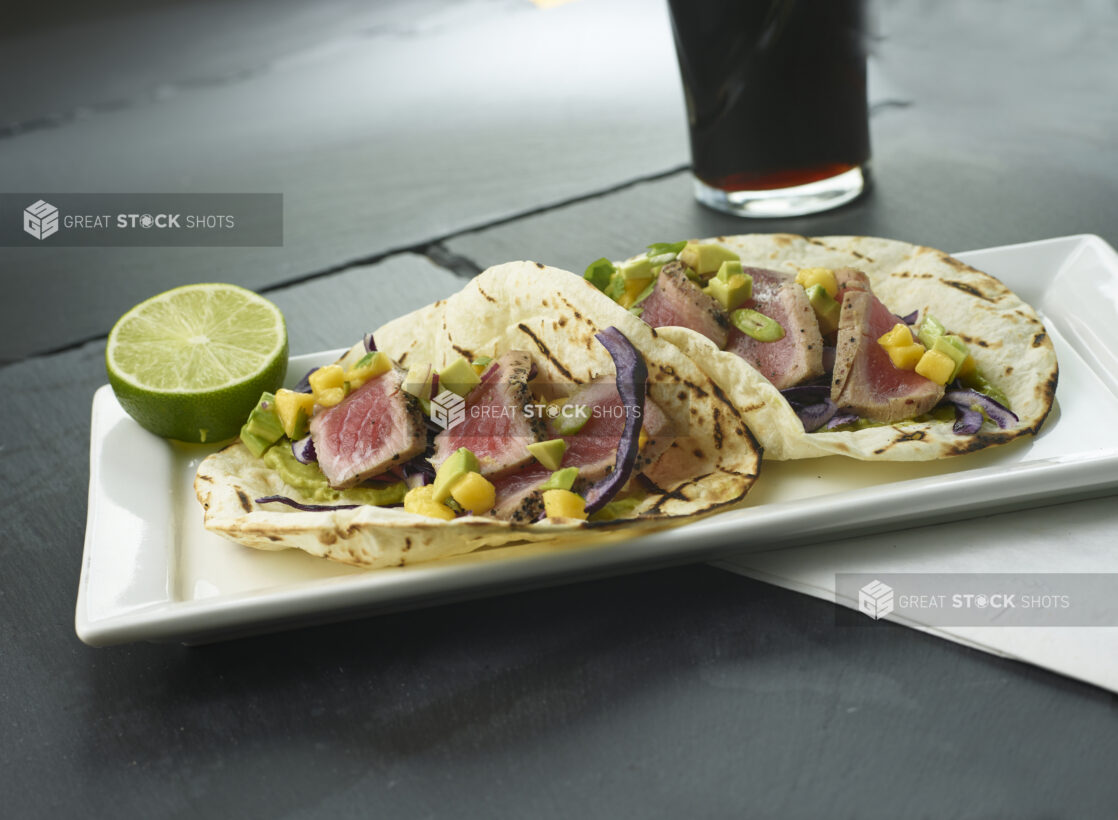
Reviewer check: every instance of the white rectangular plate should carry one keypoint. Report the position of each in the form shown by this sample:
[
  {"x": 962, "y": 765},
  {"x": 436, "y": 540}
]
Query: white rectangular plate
[{"x": 151, "y": 572}]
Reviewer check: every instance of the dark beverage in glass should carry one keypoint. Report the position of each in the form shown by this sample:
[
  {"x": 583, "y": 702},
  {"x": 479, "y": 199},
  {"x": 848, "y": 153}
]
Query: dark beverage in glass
[{"x": 776, "y": 102}]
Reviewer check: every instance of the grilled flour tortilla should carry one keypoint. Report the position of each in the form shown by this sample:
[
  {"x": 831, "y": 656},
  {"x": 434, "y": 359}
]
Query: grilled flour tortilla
[
  {"x": 1005, "y": 336},
  {"x": 710, "y": 463}
]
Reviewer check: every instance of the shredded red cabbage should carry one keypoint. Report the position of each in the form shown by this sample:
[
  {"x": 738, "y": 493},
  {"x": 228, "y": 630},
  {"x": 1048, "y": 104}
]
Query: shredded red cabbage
[
  {"x": 304, "y": 451},
  {"x": 842, "y": 418},
  {"x": 812, "y": 403},
  {"x": 631, "y": 378},
  {"x": 282, "y": 499},
  {"x": 970, "y": 405},
  {"x": 417, "y": 471}
]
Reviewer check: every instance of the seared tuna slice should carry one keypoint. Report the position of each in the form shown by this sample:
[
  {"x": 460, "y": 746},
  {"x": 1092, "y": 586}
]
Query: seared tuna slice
[
  {"x": 865, "y": 379},
  {"x": 851, "y": 279},
  {"x": 593, "y": 449},
  {"x": 519, "y": 498},
  {"x": 798, "y": 356},
  {"x": 373, "y": 429},
  {"x": 677, "y": 301},
  {"x": 497, "y": 427}
]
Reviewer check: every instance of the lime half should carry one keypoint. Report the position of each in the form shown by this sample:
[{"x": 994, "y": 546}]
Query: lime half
[{"x": 190, "y": 364}]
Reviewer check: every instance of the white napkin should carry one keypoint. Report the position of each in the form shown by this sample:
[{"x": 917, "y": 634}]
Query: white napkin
[
  {"x": 1080, "y": 536},
  {"x": 1074, "y": 280}
]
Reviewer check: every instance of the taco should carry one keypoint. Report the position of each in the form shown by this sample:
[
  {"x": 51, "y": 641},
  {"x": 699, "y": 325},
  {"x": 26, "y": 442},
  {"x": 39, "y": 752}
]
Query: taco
[
  {"x": 527, "y": 407},
  {"x": 863, "y": 347}
]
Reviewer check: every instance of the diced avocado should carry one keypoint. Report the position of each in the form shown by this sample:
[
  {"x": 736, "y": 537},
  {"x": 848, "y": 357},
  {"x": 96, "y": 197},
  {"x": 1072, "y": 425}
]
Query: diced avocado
[
  {"x": 639, "y": 268},
  {"x": 561, "y": 479},
  {"x": 458, "y": 377},
  {"x": 418, "y": 381},
  {"x": 549, "y": 453},
  {"x": 256, "y": 445},
  {"x": 462, "y": 461},
  {"x": 757, "y": 325},
  {"x": 263, "y": 426},
  {"x": 930, "y": 330},
  {"x": 733, "y": 290},
  {"x": 729, "y": 269},
  {"x": 827, "y": 309},
  {"x": 954, "y": 348},
  {"x": 599, "y": 272},
  {"x": 706, "y": 258}
]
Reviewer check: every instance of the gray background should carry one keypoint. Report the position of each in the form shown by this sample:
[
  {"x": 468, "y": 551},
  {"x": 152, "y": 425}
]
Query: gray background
[{"x": 415, "y": 144}]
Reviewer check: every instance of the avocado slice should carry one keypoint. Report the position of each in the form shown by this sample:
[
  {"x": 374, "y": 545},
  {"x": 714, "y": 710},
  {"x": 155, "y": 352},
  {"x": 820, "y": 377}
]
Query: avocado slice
[
  {"x": 730, "y": 286},
  {"x": 263, "y": 428},
  {"x": 826, "y": 307},
  {"x": 639, "y": 268},
  {"x": 561, "y": 479},
  {"x": 549, "y": 453},
  {"x": 459, "y": 377},
  {"x": 706, "y": 258},
  {"x": 930, "y": 329},
  {"x": 955, "y": 349},
  {"x": 462, "y": 461}
]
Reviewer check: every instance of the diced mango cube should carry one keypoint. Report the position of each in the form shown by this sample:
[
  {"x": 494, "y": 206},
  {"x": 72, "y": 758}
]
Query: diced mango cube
[
  {"x": 475, "y": 493},
  {"x": 899, "y": 336},
  {"x": 325, "y": 377},
  {"x": 294, "y": 410},
  {"x": 633, "y": 288},
  {"x": 419, "y": 500},
  {"x": 906, "y": 357},
  {"x": 564, "y": 504},
  {"x": 330, "y": 396},
  {"x": 818, "y": 276},
  {"x": 368, "y": 367},
  {"x": 935, "y": 366}
]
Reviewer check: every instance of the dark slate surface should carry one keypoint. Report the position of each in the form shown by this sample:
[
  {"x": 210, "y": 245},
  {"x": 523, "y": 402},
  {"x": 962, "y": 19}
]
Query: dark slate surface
[
  {"x": 687, "y": 691},
  {"x": 384, "y": 127}
]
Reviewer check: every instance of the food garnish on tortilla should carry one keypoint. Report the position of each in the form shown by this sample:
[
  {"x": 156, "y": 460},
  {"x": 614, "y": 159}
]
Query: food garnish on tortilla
[
  {"x": 864, "y": 347},
  {"x": 527, "y": 407}
]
